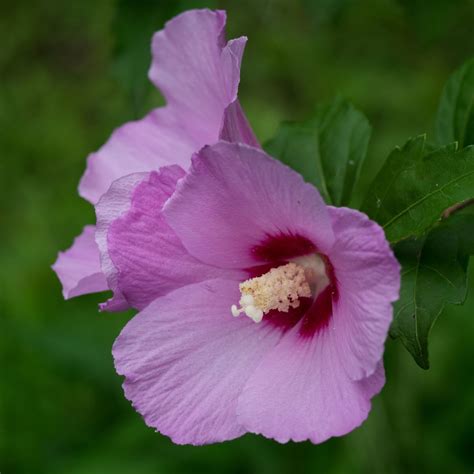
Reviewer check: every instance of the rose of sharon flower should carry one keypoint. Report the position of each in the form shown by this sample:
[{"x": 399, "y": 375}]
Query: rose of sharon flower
[
  {"x": 198, "y": 74},
  {"x": 278, "y": 305},
  {"x": 261, "y": 309}
]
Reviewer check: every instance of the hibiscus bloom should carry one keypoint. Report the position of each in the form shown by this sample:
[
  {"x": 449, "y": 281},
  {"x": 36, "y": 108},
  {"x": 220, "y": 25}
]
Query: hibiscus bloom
[
  {"x": 198, "y": 73},
  {"x": 280, "y": 330},
  {"x": 261, "y": 309}
]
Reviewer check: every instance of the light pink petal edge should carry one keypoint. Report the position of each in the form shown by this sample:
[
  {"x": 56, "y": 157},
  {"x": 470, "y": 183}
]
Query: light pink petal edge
[{"x": 78, "y": 268}]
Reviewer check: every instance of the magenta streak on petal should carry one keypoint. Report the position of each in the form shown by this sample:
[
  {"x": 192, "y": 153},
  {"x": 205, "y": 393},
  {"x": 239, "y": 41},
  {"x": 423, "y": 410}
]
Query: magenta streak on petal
[
  {"x": 318, "y": 315},
  {"x": 314, "y": 315},
  {"x": 283, "y": 247}
]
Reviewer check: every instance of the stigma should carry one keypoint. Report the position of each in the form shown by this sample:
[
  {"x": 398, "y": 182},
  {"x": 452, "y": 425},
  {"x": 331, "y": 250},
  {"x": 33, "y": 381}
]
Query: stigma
[{"x": 279, "y": 289}]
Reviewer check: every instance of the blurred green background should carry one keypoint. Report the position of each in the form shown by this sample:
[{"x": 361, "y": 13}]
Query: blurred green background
[{"x": 70, "y": 72}]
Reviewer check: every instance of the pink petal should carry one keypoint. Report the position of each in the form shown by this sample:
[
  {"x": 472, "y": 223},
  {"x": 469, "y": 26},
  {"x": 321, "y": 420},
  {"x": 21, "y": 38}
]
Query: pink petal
[
  {"x": 199, "y": 76},
  {"x": 154, "y": 141},
  {"x": 235, "y": 127},
  {"x": 235, "y": 197},
  {"x": 78, "y": 268},
  {"x": 196, "y": 71},
  {"x": 368, "y": 279},
  {"x": 145, "y": 259},
  {"x": 300, "y": 391},
  {"x": 113, "y": 204},
  {"x": 185, "y": 360}
]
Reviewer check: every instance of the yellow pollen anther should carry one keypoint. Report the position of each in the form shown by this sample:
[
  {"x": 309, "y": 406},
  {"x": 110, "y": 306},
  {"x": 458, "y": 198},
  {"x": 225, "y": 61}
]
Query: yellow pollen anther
[{"x": 279, "y": 289}]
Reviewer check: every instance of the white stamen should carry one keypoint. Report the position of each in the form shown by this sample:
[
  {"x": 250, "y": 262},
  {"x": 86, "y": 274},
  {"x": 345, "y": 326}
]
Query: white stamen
[{"x": 279, "y": 289}]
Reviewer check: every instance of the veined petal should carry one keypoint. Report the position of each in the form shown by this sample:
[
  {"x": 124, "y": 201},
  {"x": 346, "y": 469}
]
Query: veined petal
[
  {"x": 368, "y": 279},
  {"x": 199, "y": 76},
  {"x": 185, "y": 361},
  {"x": 300, "y": 391},
  {"x": 142, "y": 256},
  {"x": 78, "y": 268},
  {"x": 235, "y": 197}
]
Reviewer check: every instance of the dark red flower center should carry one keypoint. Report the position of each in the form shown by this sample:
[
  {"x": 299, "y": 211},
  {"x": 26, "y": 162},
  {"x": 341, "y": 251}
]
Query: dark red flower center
[{"x": 314, "y": 313}]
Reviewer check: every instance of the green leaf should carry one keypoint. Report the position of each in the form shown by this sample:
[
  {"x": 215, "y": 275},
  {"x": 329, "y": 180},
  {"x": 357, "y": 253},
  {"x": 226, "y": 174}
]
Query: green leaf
[
  {"x": 327, "y": 150},
  {"x": 455, "y": 117},
  {"x": 433, "y": 274},
  {"x": 296, "y": 145},
  {"x": 416, "y": 185}
]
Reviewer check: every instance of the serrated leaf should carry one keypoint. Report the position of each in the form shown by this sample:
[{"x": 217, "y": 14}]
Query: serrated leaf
[
  {"x": 433, "y": 274},
  {"x": 415, "y": 186},
  {"x": 455, "y": 117},
  {"x": 328, "y": 150}
]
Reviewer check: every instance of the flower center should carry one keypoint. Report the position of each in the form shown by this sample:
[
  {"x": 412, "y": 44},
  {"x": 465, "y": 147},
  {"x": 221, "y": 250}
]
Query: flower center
[{"x": 282, "y": 287}]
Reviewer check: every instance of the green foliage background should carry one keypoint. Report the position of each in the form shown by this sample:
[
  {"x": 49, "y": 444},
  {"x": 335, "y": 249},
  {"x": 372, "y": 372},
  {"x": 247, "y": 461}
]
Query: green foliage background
[{"x": 70, "y": 72}]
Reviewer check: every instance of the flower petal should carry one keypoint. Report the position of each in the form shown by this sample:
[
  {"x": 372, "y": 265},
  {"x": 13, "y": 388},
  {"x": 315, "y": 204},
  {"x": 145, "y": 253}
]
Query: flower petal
[
  {"x": 199, "y": 76},
  {"x": 185, "y": 360},
  {"x": 78, "y": 268},
  {"x": 146, "y": 144},
  {"x": 300, "y": 391},
  {"x": 235, "y": 197},
  {"x": 114, "y": 203},
  {"x": 196, "y": 71},
  {"x": 235, "y": 127},
  {"x": 143, "y": 258},
  {"x": 368, "y": 279}
]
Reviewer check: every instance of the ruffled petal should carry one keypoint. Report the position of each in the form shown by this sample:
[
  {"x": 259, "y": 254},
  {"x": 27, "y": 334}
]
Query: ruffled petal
[
  {"x": 111, "y": 206},
  {"x": 235, "y": 197},
  {"x": 196, "y": 71},
  {"x": 199, "y": 76},
  {"x": 78, "y": 268},
  {"x": 185, "y": 360},
  {"x": 368, "y": 280},
  {"x": 300, "y": 391},
  {"x": 142, "y": 256}
]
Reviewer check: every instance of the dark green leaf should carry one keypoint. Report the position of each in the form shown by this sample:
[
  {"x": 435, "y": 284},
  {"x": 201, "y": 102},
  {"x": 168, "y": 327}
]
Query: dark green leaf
[
  {"x": 415, "y": 186},
  {"x": 455, "y": 117},
  {"x": 297, "y": 146},
  {"x": 433, "y": 274},
  {"x": 327, "y": 150}
]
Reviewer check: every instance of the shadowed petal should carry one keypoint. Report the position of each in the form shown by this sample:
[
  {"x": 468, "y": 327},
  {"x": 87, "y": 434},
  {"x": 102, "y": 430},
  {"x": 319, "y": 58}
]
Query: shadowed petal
[
  {"x": 185, "y": 360},
  {"x": 235, "y": 197},
  {"x": 78, "y": 268},
  {"x": 236, "y": 128}
]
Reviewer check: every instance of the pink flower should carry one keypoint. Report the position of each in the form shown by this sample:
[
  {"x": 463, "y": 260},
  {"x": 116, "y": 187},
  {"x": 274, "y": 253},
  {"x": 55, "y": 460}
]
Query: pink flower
[
  {"x": 261, "y": 309},
  {"x": 198, "y": 73},
  {"x": 196, "y": 373}
]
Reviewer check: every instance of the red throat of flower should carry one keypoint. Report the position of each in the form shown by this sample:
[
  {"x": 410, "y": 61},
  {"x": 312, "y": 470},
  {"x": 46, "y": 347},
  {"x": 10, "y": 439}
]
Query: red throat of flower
[{"x": 276, "y": 291}]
